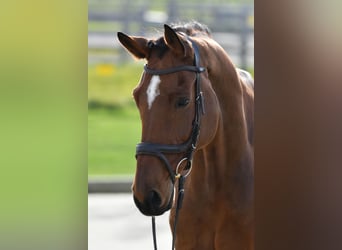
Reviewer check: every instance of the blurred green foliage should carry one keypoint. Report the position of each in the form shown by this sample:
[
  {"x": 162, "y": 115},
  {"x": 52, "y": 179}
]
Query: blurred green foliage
[{"x": 111, "y": 85}]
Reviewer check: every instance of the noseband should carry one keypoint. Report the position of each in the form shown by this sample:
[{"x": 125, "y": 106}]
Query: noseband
[{"x": 188, "y": 147}]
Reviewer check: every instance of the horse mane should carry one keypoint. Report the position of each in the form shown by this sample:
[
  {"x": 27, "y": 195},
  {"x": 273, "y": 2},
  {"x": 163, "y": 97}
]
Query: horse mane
[{"x": 192, "y": 28}]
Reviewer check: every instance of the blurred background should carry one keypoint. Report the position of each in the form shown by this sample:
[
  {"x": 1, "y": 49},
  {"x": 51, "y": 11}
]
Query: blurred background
[{"x": 113, "y": 121}]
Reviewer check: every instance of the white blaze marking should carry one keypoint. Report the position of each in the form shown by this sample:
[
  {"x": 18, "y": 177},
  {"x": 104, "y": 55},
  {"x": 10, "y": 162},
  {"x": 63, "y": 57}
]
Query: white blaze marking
[{"x": 153, "y": 90}]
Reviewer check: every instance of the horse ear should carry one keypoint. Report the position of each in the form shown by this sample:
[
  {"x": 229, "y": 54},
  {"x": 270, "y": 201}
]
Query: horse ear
[
  {"x": 137, "y": 46},
  {"x": 174, "y": 41}
]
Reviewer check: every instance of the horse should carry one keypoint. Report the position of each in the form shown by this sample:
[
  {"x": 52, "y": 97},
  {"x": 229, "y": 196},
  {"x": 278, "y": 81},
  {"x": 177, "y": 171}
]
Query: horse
[{"x": 197, "y": 114}]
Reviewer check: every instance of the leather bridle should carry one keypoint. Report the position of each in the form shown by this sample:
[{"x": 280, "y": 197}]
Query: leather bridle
[{"x": 188, "y": 147}]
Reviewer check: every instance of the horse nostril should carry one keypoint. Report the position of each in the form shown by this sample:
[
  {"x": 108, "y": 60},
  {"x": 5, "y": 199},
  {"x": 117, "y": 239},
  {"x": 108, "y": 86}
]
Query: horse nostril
[
  {"x": 153, "y": 199},
  {"x": 152, "y": 203}
]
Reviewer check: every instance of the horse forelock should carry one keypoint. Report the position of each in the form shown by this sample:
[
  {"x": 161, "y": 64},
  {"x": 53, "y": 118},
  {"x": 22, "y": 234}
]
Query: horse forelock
[{"x": 158, "y": 45}]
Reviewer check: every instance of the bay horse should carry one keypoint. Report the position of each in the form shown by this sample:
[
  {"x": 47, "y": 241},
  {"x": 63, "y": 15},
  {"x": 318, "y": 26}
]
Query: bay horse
[{"x": 197, "y": 113}]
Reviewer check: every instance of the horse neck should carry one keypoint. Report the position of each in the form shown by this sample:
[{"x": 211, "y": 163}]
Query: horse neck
[
  {"x": 229, "y": 148},
  {"x": 230, "y": 93}
]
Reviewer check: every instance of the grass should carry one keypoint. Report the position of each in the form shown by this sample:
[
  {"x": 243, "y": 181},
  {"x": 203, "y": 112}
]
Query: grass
[{"x": 112, "y": 136}]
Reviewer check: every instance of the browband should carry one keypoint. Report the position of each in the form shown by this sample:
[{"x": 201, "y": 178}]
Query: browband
[{"x": 173, "y": 70}]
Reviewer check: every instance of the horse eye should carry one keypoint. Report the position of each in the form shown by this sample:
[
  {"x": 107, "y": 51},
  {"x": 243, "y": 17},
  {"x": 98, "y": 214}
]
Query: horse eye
[{"x": 182, "y": 102}]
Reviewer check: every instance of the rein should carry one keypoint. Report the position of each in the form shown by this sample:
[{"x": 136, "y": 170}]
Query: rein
[{"x": 188, "y": 147}]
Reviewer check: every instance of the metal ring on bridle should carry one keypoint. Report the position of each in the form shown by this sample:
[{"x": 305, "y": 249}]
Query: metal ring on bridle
[{"x": 178, "y": 165}]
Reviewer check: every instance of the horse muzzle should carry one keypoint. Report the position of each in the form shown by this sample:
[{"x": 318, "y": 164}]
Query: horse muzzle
[{"x": 152, "y": 204}]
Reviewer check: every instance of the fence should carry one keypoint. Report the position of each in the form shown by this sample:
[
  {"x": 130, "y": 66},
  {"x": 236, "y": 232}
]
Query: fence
[{"x": 231, "y": 24}]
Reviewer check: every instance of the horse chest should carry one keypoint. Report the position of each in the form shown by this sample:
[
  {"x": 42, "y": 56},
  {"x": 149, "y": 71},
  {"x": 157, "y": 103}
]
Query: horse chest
[
  {"x": 212, "y": 230},
  {"x": 213, "y": 222}
]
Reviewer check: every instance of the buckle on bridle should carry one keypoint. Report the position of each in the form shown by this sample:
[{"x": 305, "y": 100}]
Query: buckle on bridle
[{"x": 188, "y": 168}]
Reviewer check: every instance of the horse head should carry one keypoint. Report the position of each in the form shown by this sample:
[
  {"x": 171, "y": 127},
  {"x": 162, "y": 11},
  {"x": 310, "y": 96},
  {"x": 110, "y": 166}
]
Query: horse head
[{"x": 171, "y": 96}]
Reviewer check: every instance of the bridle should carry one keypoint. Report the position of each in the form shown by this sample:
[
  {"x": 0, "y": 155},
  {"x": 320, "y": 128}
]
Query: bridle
[{"x": 188, "y": 147}]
